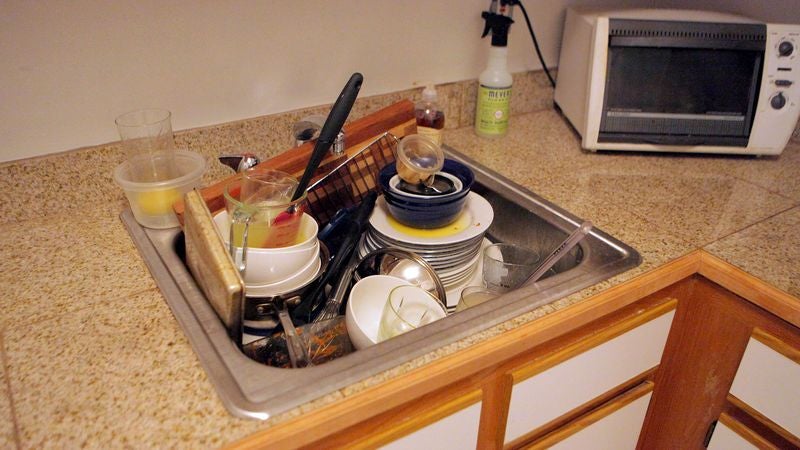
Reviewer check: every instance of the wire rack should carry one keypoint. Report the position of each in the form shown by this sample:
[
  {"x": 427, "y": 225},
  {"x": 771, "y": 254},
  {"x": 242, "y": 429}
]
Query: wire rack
[{"x": 347, "y": 184}]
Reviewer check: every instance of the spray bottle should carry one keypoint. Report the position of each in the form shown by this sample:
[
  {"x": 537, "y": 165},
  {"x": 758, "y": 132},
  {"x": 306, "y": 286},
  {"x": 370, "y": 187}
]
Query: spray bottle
[{"x": 494, "y": 90}]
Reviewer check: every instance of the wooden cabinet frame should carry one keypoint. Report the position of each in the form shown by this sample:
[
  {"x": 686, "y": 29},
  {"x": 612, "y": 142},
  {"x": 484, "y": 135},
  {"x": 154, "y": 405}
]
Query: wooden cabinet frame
[{"x": 482, "y": 371}]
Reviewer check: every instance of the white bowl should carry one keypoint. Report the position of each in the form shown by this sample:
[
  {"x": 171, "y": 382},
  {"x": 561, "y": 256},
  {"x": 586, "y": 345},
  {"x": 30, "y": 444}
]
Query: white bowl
[
  {"x": 296, "y": 281},
  {"x": 308, "y": 231},
  {"x": 365, "y": 306},
  {"x": 457, "y": 184},
  {"x": 267, "y": 266}
]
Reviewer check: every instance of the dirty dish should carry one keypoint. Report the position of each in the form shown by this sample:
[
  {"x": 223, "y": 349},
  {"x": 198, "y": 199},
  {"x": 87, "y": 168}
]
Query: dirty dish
[
  {"x": 151, "y": 202},
  {"x": 507, "y": 266},
  {"x": 408, "y": 308},
  {"x": 265, "y": 266},
  {"x": 479, "y": 218},
  {"x": 306, "y": 237},
  {"x": 418, "y": 159},
  {"x": 365, "y": 306},
  {"x": 257, "y": 204},
  {"x": 475, "y": 295}
]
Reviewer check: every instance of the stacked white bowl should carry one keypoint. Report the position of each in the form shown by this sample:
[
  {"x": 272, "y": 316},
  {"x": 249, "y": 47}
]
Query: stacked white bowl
[{"x": 275, "y": 271}]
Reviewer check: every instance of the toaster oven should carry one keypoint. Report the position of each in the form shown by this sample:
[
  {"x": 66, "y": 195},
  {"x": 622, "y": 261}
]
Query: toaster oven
[{"x": 679, "y": 81}]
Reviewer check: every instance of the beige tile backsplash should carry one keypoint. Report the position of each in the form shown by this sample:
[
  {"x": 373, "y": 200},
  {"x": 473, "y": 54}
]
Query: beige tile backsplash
[{"x": 81, "y": 178}]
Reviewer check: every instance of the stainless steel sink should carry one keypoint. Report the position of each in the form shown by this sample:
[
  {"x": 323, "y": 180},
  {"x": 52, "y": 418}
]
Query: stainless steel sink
[{"x": 250, "y": 389}]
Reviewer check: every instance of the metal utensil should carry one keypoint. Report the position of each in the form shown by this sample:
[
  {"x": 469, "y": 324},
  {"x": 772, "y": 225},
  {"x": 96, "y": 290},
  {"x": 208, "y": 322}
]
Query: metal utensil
[
  {"x": 334, "y": 303},
  {"x": 571, "y": 240},
  {"x": 297, "y": 351},
  {"x": 306, "y": 309}
]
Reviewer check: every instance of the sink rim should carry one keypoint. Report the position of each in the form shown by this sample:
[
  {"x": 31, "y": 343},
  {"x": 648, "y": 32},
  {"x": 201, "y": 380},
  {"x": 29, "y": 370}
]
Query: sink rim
[{"x": 244, "y": 391}]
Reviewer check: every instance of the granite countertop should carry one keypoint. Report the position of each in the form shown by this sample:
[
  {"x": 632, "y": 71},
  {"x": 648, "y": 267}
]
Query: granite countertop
[{"x": 91, "y": 353}]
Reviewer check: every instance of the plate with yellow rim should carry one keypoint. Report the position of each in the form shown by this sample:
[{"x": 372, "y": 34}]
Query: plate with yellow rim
[{"x": 473, "y": 222}]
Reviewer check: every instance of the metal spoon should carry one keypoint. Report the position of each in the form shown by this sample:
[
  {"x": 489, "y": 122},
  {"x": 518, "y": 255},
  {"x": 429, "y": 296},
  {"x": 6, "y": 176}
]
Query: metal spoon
[{"x": 559, "y": 252}]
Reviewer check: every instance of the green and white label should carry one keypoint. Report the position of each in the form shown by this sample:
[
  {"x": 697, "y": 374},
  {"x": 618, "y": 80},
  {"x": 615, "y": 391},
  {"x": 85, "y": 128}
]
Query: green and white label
[{"x": 491, "y": 117}]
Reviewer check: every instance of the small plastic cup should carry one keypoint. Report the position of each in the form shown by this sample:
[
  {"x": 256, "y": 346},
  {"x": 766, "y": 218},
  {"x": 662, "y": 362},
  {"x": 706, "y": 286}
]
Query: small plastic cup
[
  {"x": 507, "y": 266},
  {"x": 260, "y": 209},
  {"x": 407, "y": 308},
  {"x": 148, "y": 145},
  {"x": 418, "y": 159},
  {"x": 151, "y": 202}
]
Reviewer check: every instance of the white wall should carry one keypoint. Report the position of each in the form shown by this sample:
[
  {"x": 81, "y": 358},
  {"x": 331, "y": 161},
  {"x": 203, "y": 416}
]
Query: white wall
[{"x": 70, "y": 66}]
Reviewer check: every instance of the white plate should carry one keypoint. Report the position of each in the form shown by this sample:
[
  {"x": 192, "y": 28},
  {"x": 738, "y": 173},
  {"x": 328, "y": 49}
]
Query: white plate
[
  {"x": 481, "y": 218},
  {"x": 453, "y": 293},
  {"x": 375, "y": 237},
  {"x": 460, "y": 270}
]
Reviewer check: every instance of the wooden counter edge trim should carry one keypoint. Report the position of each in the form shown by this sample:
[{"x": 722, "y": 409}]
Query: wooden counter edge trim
[
  {"x": 326, "y": 420},
  {"x": 755, "y": 290},
  {"x": 588, "y": 417},
  {"x": 754, "y": 427}
]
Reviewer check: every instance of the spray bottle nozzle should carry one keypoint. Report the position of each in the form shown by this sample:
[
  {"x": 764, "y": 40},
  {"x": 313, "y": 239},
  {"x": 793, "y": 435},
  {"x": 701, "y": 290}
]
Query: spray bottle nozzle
[{"x": 499, "y": 25}]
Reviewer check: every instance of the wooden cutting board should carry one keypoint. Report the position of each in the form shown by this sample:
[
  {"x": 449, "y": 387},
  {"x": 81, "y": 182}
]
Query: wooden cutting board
[{"x": 398, "y": 119}]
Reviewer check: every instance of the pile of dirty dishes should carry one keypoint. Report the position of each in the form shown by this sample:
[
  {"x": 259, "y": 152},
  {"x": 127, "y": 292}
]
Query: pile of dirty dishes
[{"x": 454, "y": 251}]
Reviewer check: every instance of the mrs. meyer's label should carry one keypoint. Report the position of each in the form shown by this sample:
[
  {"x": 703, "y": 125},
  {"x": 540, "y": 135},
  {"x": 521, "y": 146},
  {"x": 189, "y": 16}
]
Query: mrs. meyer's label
[{"x": 491, "y": 117}]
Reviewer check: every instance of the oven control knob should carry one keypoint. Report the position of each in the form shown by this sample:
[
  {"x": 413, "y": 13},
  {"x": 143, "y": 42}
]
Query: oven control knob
[
  {"x": 785, "y": 48},
  {"x": 777, "y": 101}
]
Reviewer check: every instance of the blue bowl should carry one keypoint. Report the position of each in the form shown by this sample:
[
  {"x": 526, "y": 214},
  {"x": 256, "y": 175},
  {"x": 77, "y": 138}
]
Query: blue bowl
[
  {"x": 431, "y": 217},
  {"x": 427, "y": 212},
  {"x": 460, "y": 171}
]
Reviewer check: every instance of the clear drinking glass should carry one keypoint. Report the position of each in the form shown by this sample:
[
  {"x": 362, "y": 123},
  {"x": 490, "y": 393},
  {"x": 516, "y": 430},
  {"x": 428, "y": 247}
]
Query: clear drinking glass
[
  {"x": 407, "y": 308},
  {"x": 507, "y": 266},
  {"x": 474, "y": 296},
  {"x": 148, "y": 144}
]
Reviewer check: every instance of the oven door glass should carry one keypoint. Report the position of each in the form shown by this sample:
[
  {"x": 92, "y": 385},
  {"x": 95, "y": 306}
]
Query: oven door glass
[{"x": 678, "y": 95}]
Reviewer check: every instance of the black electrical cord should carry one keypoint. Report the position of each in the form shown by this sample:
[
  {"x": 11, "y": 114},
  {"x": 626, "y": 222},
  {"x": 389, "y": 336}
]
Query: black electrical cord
[{"x": 535, "y": 42}]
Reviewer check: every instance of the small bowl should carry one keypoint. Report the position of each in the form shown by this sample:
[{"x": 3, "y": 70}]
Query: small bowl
[
  {"x": 426, "y": 212},
  {"x": 365, "y": 306},
  {"x": 452, "y": 167},
  {"x": 151, "y": 202},
  {"x": 426, "y": 217},
  {"x": 266, "y": 266},
  {"x": 294, "y": 281}
]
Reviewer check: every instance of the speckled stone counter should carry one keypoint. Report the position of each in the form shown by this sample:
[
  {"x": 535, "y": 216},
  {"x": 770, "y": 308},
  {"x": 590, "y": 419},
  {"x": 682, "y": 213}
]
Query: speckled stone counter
[{"x": 92, "y": 356}]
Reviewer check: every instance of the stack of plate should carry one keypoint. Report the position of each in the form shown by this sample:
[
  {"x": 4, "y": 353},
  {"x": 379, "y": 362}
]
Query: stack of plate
[{"x": 453, "y": 251}]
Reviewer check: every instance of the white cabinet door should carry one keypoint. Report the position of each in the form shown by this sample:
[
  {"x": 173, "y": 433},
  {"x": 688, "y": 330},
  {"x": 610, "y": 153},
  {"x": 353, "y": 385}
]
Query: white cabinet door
[
  {"x": 726, "y": 439},
  {"x": 770, "y": 383},
  {"x": 617, "y": 431},
  {"x": 456, "y": 431},
  {"x": 550, "y": 394}
]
